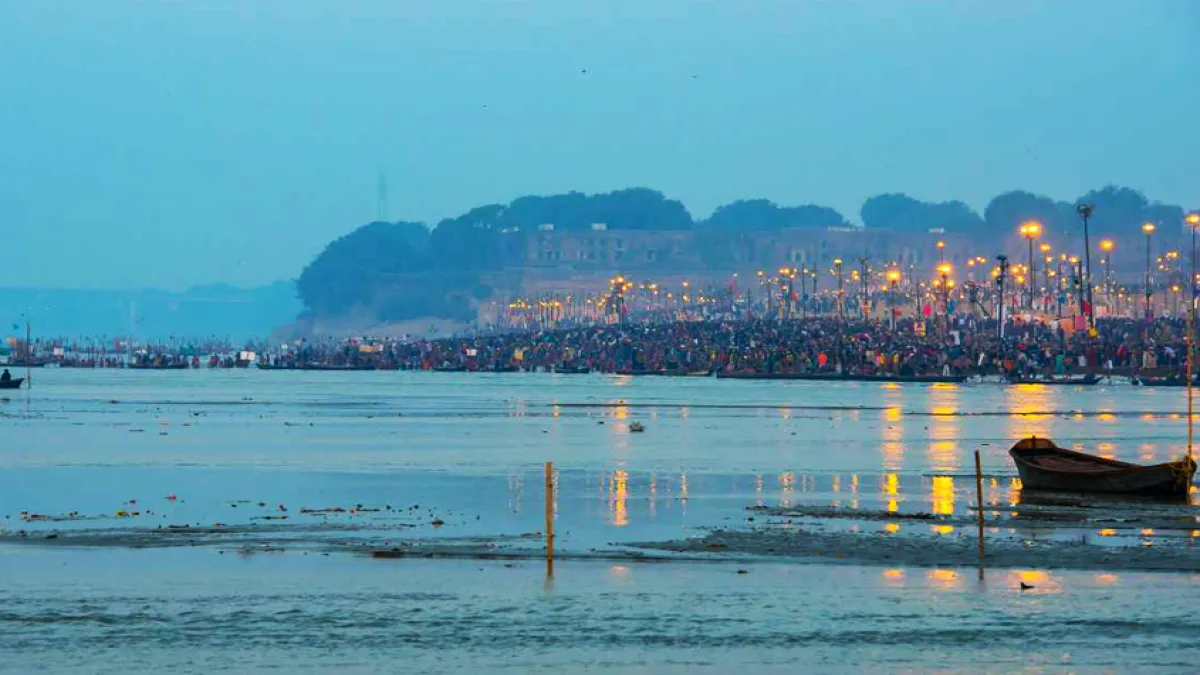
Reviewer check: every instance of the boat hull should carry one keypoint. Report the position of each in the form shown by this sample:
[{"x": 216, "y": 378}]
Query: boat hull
[
  {"x": 14, "y": 383},
  {"x": 1043, "y": 466}
]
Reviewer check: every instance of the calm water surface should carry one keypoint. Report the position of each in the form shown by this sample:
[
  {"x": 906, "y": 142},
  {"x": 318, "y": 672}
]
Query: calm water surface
[{"x": 468, "y": 451}]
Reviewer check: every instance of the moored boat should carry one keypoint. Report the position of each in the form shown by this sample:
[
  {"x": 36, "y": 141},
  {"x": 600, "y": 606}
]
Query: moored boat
[
  {"x": 1045, "y": 466},
  {"x": 1088, "y": 379},
  {"x": 1169, "y": 381}
]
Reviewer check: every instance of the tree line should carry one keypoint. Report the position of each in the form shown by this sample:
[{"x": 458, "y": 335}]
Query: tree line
[{"x": 403, "y": 270}]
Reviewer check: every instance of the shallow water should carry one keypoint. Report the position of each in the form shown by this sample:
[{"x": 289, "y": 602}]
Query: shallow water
[{"x": 467, "y": 451}]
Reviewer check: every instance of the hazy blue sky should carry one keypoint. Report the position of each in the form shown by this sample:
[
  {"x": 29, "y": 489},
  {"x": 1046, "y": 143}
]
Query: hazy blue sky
[{"x": 173, "y": 143}]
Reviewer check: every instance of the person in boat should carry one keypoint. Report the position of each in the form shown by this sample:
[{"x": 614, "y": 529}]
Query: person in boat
[{"x": 6, "y": 376}]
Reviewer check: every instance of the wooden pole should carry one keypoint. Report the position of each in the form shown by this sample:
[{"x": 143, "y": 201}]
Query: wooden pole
[
  {"x": 979, "y": 507},
  {"x": 28, "y": 347},
  {"x": 549, "y": 519}
]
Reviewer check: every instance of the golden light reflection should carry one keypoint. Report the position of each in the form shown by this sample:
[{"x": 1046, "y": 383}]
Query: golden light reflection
[
  {"x": 1106, "y": 417},
  {"x": 1014, "y": 491},
  {"x": 892, "y": 528},
  {"x": 893, "y": 574},
  {"x": 621, "y": 412},
  {"x": 944, "y": 429},
  {"x": 1108, "y": 532},
  {"x": 1147, "y": 453},
  {"x": 943, "y": 579},
  {"x": 1029, "y": 404},
  {"x": 1147, "y": 532},
  {"x": 942, "y": 529},
  {"x": 1106, "y": 578},
  {"x": 787, "y": 488},
  {"x": 1040, "y": 580},
  {"x": 893, "y": 414},
  {"x": 1105, "y": 450},
  {"x": 942, "y": 495},
  {"x": 618, "y": 498}
]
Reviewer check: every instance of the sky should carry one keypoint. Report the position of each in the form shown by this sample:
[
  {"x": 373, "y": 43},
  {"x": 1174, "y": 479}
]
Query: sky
[{"x": 157, "y": 143}]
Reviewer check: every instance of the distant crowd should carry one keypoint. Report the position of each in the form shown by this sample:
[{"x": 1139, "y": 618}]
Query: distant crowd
[{"x": 961, "y": 346}]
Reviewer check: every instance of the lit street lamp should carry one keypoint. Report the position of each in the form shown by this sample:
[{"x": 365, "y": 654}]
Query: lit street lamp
[
  {"x": 1106, "y": 246},
  {"x": 837, "y": 270},
  {"x": 1030, "y": 231},
  {"x": 1148, "y": 228},
  {"x": 1085, "y": 212},
  {"x": 893, "y": 279}
]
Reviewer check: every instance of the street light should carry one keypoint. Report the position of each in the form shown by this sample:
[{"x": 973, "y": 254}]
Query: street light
[
  {"x": 945, "y": 269},
  {"x": 893, "y": 279},
  {"x": 1030, "y": 231},
  {"x": 1085, "y": 212},
  {"x": 941, "y": 247},
  {"x": 837, "y": 270},
  {"x": 1106, "y": 246},
  {"x": 1149, "y": 229}
]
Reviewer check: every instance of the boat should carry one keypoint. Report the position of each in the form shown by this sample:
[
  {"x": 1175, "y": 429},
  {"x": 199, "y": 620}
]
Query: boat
[
  {"x": 572, "y": 370},
  {"x": 160, "y": 366},
  {"x": 449, "y": 369},
  {"x": 639, "y": 372},
  {"x": 502, "y": 369},
  {"x": 36, "y": 363},
  {"x": 1047, "y": 467},
  {"x": 14, "y": 383},
  {"x": 1088, "y": 379},
  {"x": 845, "y": 377},
  {"x": 1169, "y": 381},
  {"x": 312, "y": 366}
]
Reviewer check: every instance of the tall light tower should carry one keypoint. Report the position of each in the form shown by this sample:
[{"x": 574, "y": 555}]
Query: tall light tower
[
  {"x": 1148, "y": 228},
  {"x": 1085, "y": 213},
  {"x": 1030, "y": 231}
]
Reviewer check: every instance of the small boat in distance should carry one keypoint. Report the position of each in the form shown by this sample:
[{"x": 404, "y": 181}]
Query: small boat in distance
[
  {"x": 14, "y": 383},
  {"x": 1045, "y": 466},
  {"x": 843, "y": 377},
  {"x": 1088, "y": 379},
  {"x": 1168, "y": 381}
]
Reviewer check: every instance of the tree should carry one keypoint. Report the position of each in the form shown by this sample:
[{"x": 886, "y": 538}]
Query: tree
[
  {"x": 897, "y": 211},
  {"x": 354, "y": 266}
]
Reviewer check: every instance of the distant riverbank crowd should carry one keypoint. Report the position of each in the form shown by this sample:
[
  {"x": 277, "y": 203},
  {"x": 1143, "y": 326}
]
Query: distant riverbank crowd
[{"x": 962, "y": 346}]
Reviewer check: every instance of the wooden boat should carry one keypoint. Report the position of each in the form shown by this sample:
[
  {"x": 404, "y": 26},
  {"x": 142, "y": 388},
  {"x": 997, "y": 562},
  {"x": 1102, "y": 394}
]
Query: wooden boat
[
  {"x": 688, "y": 373},
  {"x": 314, "y": 366},
  {"x": 1045, "y": 466},
  {"x": 640, "y": 372},
  {"x": 14, "y": 383},
  {"x": 1169, "y": 381},
  {"x": 160, "y": 366},
  {"x": 572, "y": 370},
  {"x": 36, "y": 363},
  {"x": 1088, "y": 379},
  {"x": 502, "y": 369},
  {"x": 845, "y": 377}
]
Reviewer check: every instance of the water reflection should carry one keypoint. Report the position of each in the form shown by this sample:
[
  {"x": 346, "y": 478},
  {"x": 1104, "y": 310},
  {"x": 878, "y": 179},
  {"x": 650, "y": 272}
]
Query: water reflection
[
  {"x": 944, "y": 429},
  {"x": 618, "y": 498},
  {"x": 941, "y": 495},
  {"x": 943, "y": 579}
]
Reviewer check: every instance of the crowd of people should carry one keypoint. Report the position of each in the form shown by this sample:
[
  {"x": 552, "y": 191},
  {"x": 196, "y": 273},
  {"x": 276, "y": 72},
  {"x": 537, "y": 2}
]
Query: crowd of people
[{"x": 964, "y": 345}]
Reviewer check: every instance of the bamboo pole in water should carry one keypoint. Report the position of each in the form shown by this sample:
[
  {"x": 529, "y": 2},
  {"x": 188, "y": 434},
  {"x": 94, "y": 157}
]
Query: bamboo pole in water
[
  {"x": 549, "y": 519},
  {"x": 979, "y": 507},
  {"x": 29, "y": 346}
]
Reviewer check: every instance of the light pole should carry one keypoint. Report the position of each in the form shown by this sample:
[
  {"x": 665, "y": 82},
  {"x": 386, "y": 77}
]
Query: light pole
[
  {"x": 841, "y": 305},
  {"x": 893, "y": 279},
  {"x": 1106, "y": 246},
  {"x": 1046, "y": 260},
  {"x": 1148, "y": 228},
  {"x": 941, "y": 247},
  {"x": 1003, "y": 272},
  {"x": 944, "y": 270},
  {"x": 1085, "y": 213},
  {"x": 1030, "y": 231},
  {"x": 1193, "y": 221},
  {"x": 864, "y": 285}
]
